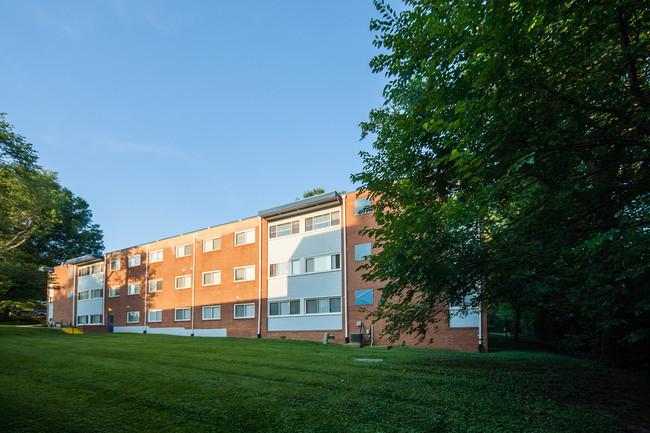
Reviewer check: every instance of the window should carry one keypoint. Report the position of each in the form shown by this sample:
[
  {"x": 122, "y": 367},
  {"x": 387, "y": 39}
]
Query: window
[
  {"x": 184, "y": 250},
  {"x": 114, "y": 265},
  {"x": 133, "y": 317},
  {"x": 362, "y": 206},
  {"x": 322, "y": 221},
  {"x": 182, "y": 314},
  {"x": 212, "y": 244},
  {"x": 155, "y": 315},
  {"x": 184, "y": 282},
  {"x": 134, "y": 261},
  {"x": 82, "y": 320},
  {"x": 323, "y": 263},
  {"x": 286, "y": 229},
  {"x": 156, "y": 256},
  {"x": 211, "y": 278},
  {"x": 363, "y": 297},
  {"x": 96, "y": 293},
  {"x": 212, "y": 312},
  {"x": 279, "y": 269},
  {"x": 70, "y": 294},
  {"x": 114, "y": 292},
  {"x": 362, "y": 252},
  {"x": 284, "y": 308},
  {"x": 155, "y": 286},
  {"x": 295, "y": 267},
  {"x": 462, "y": 314},
  {"x": 95, "y": 319},
  {"x": 323, "y": 305},
  {"x": 81, "y": 296},
  {"x": 90, "y": 270},
  {"x": 244, "y": 311},
  {"x": 246, "y": 237},
  {"x": 133, "y": 289},
  {"x": 245, "y": 273},
  {"x": 71, "y": 270}
]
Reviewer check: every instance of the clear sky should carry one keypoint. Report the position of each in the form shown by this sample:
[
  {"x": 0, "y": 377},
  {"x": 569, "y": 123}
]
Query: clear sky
[{"x": 171, "y": 116}]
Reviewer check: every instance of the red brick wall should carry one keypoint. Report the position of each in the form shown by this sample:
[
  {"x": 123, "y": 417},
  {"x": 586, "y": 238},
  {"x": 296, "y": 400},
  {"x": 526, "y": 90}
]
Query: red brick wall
[{"x": 63, "y": 283}]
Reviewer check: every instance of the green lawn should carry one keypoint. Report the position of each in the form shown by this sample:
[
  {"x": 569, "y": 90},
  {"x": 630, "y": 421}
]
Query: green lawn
[{"x": 51, "y": 381}]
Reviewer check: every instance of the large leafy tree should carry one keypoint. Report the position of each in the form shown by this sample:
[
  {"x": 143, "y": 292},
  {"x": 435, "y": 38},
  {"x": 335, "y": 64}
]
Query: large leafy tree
[
  {"x": 512, "y": 154},
  {"x": 41, "y": 222}
]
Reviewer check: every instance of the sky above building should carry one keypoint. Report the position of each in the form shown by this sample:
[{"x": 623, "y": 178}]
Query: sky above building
[{"x": 171, "y": 116}]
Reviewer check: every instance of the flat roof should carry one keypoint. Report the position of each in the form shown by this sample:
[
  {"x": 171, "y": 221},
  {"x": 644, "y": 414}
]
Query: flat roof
[
  {"x": 88, "y": 258},
  {"x": 304, "y": 204}
]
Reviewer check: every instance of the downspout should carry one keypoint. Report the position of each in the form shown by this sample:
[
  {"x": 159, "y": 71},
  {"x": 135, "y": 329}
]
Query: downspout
[
  {"x": 104, "y": 316},
  {"x": 259, "y": 282},
  {"x": 345, "y": 268},
  {"x": 193, "y": 280},
  {"x": 146, "y": 289},
  {"x": 480, "y": 305},
  {"x": 74, "y": 297}
]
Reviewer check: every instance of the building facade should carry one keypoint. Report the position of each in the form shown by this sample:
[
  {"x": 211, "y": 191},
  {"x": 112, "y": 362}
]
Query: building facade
[{"x": 289, "y": 272}]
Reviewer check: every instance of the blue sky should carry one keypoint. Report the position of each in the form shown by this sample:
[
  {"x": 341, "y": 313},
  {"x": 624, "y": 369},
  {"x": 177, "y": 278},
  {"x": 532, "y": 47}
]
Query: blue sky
[{"x": 171, "y": 116}]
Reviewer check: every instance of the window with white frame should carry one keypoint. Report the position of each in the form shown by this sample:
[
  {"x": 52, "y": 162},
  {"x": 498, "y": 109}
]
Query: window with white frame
[
  {"x": 244, "y": 311},
  {"x": 156, "y": 256},
  {"x": 90, "y": 294},
  {"x": 182, "y": 314},
  {"x": 211, "y": 312},
  {"x": 95, "y": 319},
  {"x": 90, "y": 270},
  {"x": 133, "y": 317},
  {"x": 295, "y": 267},
  {"x": 362, "y": 252},
  {"x": 279, "y": 269},
  {"x": 114, "y": 265},
  {"x": 245, "y": 237},
  {"x": 184, "y": 250},
  {"x": 323, "y": 263},
  {"x": 71, "y": 270},
  {"x": 155, "y": 285},
  {"x": 114, "y": 291},
  {"x": 463, "y": 313},
  {"x": 184, "y": 282},
  {"x": 322, "y": 221},
  {"x": 362, "y": 206},
  {"x": 285, "y": 229},
  {"x": 323, "y": 306},
  {"x": 284, "y": 308},
  {"x": 134, "y": 261},
  {"x": 82, "y": 320},
  {"x": 245, "y": 273},
  {"x": 133, "y": 289},
  {"x": 211, "y": 278},
  {"x": 212, "y": 244},
  {"x": 96, "y": 293},
  {"x": 82, "y": 296},
  {"x": 155, "y": 315}
]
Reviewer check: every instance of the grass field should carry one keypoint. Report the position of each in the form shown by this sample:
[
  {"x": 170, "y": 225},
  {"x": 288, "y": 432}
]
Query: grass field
[{"x": 51, "y": 381}]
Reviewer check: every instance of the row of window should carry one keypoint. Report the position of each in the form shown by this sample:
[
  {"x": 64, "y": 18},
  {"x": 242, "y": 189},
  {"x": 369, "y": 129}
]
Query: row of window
[
  {"x": 90, "y": 294},
  {"x": 211, "y": 278},
  {"x": 324, "y": 263},
  {"x": 310, "y": 306},
  {"x": 88, "y": 270},
  {"x": 209, "y": 312},
  {"x": 92, "y": 319},
  {"x": 212, "y": 244}
]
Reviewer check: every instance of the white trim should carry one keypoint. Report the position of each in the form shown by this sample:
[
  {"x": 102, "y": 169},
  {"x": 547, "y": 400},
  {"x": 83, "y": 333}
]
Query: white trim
[
  {"x": 234, "y": 311},
  {"x": 211, "y": 307},
  {"x": 129, "y": 265},
  {"x": 110, "y": 265},
  {"x": 184, "y": 309},
  {"x": 329, "y": 298},
  {"x": 248, "y": 238},
  {"x": 128, "y": 288},
  {"x": 151, "y": 253},
  {"x": 300, "y": 312},
  {"x": 149, "y": 316},
  {"x": 154, "y": 281},
  {"x": 217, "y": 271},
  {"x": 113, "y": 288},
  {"x": 247, "y": 279},
  {"x": 212, "y": 241},
  {"x": 132, "y": 312},
  {"x": 183, "y": 276},
  {"x": 183, "y": 246}
]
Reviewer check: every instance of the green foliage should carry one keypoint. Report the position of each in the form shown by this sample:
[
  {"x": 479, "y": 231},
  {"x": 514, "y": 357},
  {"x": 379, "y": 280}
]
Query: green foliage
[
  {"x": 249, "y": 385},
  {"x": 530, "y": 121},
  {"x": 41, "y": 222},
  {"x": 313, "y": 192}
]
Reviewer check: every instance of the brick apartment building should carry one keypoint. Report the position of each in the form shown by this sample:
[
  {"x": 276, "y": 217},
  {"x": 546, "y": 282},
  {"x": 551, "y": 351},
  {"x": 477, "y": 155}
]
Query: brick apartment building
[{"x": 289, "y": 272}]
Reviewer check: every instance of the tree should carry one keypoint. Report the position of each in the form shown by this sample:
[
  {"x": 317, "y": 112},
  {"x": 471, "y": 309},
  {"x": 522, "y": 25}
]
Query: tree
[
  {"x": 313, "y": 192},
  {"x": 41, "y": 223},
  {"x": 512, "y": 154}
]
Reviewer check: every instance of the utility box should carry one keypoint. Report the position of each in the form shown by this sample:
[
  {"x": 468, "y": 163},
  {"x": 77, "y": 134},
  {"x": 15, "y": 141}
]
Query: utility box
[{"x": 356, "y": 338}]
